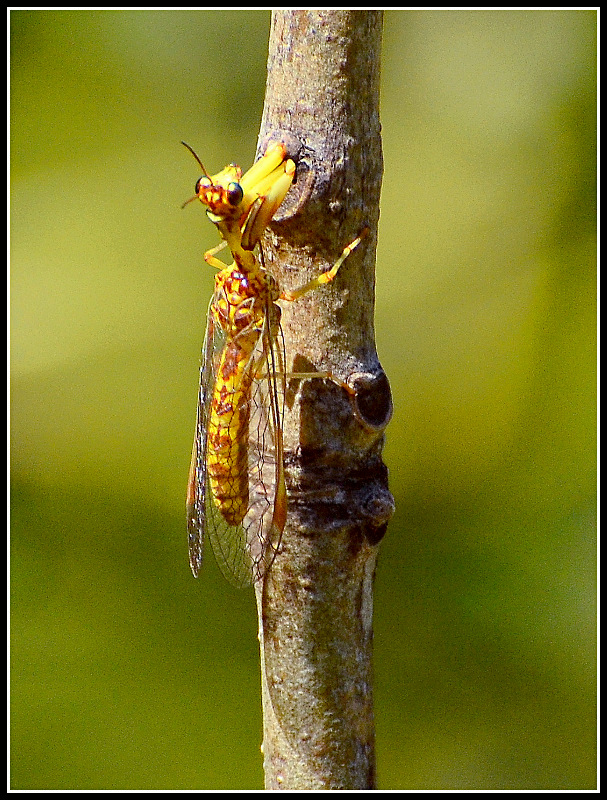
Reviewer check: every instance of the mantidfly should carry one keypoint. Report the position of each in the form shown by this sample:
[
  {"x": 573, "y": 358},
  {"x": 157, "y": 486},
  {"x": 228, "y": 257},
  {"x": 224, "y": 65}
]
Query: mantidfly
[{"x": 236, "y": 489}]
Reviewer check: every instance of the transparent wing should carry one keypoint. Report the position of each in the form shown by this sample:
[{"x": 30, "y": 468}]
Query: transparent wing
[
  {"x": 197, "y": 483},
  {"x": 243, "y": 552},
  {"x": 266, "y": 517}
]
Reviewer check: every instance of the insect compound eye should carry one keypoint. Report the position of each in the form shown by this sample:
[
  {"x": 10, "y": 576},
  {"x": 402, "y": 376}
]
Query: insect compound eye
[
  {"x": 202, "y": 183},
  {"x": 235, "y": 193}
]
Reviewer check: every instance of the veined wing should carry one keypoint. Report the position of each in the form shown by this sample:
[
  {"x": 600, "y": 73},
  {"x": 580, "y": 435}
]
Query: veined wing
[
  {"x": 267, "y": 514},
  {"x": 244, "y": 551},
  {"x": 197, "y": 483}
]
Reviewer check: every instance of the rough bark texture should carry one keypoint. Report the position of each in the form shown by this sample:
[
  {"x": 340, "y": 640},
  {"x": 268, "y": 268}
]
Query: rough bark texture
[{"x": 316, "y": 603}]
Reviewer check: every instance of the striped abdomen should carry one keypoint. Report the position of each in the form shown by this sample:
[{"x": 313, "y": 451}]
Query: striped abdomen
[{"x": 228, "y": 431}]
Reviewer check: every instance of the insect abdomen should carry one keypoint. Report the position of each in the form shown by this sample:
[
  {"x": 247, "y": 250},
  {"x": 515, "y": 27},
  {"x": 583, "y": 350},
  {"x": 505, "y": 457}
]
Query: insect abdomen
[{"x": 228, "y": 433}]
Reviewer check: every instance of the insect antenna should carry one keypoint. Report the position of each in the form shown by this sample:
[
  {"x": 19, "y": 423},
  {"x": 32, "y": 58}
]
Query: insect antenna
[{"x": 200, "y": 164}]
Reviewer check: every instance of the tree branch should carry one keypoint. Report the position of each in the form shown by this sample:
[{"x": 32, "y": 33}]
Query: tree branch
[{"x": 315, "y": 605}]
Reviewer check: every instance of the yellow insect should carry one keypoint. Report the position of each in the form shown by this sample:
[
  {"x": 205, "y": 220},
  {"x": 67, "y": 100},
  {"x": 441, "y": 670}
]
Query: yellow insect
[{"x": 236, "y": 488}]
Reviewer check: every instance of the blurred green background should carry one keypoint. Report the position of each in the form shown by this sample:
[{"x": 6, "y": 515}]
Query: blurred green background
[{"x": 126, "y": 672}]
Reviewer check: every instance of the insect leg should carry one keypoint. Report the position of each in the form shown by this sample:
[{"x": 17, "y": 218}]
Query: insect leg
[
  {"x": 324, "y": 277},
  {"x": 209, "y": 256}
]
